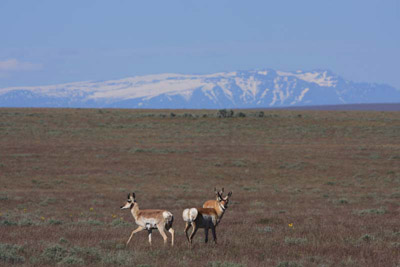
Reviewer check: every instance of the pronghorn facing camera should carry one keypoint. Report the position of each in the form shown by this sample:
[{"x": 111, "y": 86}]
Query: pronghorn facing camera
[
  {"x": 211, "y": 203},
  {"x": 205, "y": 218},
  {"x": 149, "y": 219}
]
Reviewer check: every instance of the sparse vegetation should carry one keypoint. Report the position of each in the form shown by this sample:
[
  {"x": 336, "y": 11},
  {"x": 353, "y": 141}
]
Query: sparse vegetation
[
  {"x": 295, "y": 241},
  {"x": 10, "y": 254},
  {"x": 320, "y": 189},
  {"x": 378, "y": 211}
]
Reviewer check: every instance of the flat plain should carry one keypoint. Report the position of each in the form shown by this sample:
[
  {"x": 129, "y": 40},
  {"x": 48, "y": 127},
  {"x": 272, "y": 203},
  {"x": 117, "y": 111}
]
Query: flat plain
[{"x": 310, "y": 188}]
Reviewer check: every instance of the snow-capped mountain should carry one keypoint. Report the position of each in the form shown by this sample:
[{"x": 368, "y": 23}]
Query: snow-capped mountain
[{"x": 241, "y": 89}]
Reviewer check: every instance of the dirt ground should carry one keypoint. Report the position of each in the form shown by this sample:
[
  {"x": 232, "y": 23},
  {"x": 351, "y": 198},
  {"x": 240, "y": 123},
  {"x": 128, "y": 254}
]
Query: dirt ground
[{"x": 310, "y": 188}]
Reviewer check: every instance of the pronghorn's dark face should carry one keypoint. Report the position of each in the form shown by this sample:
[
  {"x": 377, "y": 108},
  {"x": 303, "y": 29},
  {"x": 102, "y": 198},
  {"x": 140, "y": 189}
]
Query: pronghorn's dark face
[
  {"x": 224, "y": 201},
  {"x": 130, "y": 202}
]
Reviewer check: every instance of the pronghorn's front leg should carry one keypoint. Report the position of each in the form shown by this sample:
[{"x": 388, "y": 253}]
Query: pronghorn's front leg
[
  {"x": 140, "y": 228},
  {"x": 149, "y": 231},
  {"x": 161, "y": 230}
]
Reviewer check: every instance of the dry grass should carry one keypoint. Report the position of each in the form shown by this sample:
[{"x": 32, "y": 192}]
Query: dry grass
[{"x": 333, "y": 176}]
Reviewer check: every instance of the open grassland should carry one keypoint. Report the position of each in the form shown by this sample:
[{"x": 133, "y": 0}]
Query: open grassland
[{"x": 310, "y": 188}]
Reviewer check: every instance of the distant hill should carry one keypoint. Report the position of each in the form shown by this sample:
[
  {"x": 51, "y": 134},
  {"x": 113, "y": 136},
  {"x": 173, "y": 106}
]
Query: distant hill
[
  {"x": 361, "y": 107},
  {"x": 242, "y": 89}
]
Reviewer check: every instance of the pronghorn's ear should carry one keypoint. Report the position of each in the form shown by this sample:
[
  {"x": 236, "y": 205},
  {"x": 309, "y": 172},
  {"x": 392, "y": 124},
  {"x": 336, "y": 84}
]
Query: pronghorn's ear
[
  {"x": 129, "y": 195},
  {"x": 215, "y": 190},
  {"x": 228, "y": 196},
  {"x": 133, "y": 195},
  {"x": 222, "y": 190},
  {"x": 219, "y": 196}
]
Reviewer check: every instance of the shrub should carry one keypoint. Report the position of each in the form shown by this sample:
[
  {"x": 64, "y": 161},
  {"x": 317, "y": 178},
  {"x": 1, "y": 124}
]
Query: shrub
[
  {"x": 288, "y": 264},
  {"x": 62, "y": 240},
  {"x": 295, "y": 241},
  {"x": 118, "y": 258},
  {"x": 266, "y": 229},
  {"x": 343, "y": 201},
  {"x": 367, "y": 238},
  {"x": 381, "y": 210},
  {"x": 54, "y": 253},
  {"x": 48, "y": 201},
  {"x": 7, "y": 223},
  {"x": 71, "y": 260},
  {"x": 54, "y": 222},
  {"x": 223, "y": 113},
  {"x": 119, "y": 222},
  {"x": 9, "y": 253},
  {"x": 239, "y": 163},
  {"x": 260, "y": 114},
  {"x": 395, "y": 195},
  {"x": 90, "y": 254},
  {"x": 90, "y": 222},
  {"x": 224, "y": 264},
  {"x": 395, "y": 244},
  {"x": 26, "y": 222}
]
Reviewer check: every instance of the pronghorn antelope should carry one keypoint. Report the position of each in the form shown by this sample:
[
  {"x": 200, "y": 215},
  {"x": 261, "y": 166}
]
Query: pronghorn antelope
[
  {"x": 149, "y": 219},
  {"x": 205, "y": 218},
  {"x": 211, "y": 203}
]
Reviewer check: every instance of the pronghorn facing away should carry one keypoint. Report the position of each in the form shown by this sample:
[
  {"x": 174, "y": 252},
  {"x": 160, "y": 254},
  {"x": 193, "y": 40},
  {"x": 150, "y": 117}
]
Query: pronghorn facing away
[
  {"x": 205, "y": 218},
  {"x": 150, "y": 219},
  {"x": 212, "y": 203}
]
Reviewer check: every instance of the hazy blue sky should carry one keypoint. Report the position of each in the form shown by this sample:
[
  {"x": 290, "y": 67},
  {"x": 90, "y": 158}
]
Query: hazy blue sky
[{"x": 49, "y": 41}]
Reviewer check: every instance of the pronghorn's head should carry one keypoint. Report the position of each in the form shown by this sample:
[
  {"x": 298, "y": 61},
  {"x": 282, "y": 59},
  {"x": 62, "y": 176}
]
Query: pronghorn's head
[
  {"x": 218, "y": 192},
  {"x": 223, "y": 201},
  {"x": 130, "y": 202}
]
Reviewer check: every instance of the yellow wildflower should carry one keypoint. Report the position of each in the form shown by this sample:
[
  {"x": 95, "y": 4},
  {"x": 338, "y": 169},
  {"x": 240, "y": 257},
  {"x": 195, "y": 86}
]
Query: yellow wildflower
[
  {"x": 114, "y": 216},
  {"x": 91, "y": 209},
  {"x": 42, "y": 218},
  {"x": 290, "y": 224}
]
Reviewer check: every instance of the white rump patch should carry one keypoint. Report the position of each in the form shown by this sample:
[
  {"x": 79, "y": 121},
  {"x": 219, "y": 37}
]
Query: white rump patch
[{"x": 189, "y": 215}]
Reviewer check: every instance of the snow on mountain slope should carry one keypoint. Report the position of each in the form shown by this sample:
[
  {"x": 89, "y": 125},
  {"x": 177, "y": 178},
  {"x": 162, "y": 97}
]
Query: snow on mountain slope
[{"x": 244, "y": 89}]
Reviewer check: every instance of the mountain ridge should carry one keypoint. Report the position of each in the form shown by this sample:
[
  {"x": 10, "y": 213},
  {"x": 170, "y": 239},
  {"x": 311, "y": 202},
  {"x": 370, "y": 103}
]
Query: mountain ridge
[{"x": 266, "y": 88}]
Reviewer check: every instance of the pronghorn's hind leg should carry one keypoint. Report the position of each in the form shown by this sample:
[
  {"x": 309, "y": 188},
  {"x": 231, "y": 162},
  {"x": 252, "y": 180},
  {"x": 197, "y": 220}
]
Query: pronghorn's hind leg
[
  {"x": 206, "y": 234},
  {"x": 214, "y": 233},
  {"x": 140, "y": 228},
  {"x": 172, "y": 235},
  {"x": 193, "y": 232},
  {"x": 187, "y": 226},
  {"x": 161, "y": 230}
]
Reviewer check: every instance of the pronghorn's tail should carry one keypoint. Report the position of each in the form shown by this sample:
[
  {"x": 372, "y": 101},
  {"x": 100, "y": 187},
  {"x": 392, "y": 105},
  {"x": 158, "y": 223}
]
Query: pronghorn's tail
[
  {"x": 189, "y": 215},
  {"x": 169, "y": 219}
]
